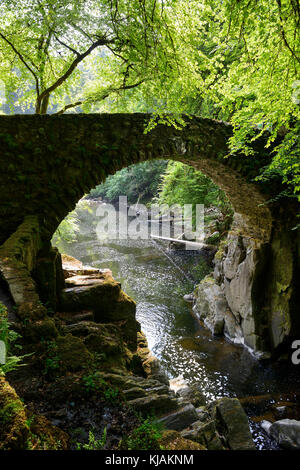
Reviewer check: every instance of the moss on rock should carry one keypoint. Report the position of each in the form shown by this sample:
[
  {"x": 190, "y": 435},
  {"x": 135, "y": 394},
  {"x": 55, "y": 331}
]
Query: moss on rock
[
  {"x": 72, "y": 353},
  {"x": 13, "y": 426},
  {"x": 172, "y": 440}
]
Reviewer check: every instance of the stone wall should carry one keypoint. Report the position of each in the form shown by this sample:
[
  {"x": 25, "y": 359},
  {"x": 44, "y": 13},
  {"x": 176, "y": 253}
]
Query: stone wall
[{"x": 18, "y": 258}]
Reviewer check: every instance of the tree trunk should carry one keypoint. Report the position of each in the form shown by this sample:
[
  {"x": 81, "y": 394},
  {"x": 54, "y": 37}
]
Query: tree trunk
[{"x": 42, "y": 105}]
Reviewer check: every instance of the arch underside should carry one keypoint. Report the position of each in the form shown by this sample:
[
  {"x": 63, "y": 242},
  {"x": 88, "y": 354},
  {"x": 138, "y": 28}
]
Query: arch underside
[{"x": 49, "y": 162}]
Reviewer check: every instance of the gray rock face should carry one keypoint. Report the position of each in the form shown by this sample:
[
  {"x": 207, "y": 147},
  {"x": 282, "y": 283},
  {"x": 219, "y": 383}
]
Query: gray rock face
[
  {"x": 210, "y": 305},
  {"x": 254, "y": 273},
  {"x": 180, "y": 419},
  {"x": 224, "y": 302},
  {"x": 286, "y": 432}
]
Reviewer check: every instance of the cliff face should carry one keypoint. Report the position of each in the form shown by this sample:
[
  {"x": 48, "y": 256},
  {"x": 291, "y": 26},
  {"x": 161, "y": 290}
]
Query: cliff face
[{"x": 251, "y": 296}]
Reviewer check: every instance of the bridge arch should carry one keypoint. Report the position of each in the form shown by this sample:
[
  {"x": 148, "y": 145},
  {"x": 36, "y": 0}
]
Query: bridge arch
[{"x": 48, "y": 163}]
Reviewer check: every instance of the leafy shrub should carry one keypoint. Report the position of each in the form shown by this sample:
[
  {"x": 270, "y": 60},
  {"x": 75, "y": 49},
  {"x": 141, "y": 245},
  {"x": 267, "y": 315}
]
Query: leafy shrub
[
  {"x": 145, "y": 437},
  {"x": 94, "y": 383},
  {"x": 93, "y": 443},
  {"x": 51, "y": 358}
]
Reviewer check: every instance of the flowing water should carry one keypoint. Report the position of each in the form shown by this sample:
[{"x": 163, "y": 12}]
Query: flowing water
[{"x": 157, "y": 279}]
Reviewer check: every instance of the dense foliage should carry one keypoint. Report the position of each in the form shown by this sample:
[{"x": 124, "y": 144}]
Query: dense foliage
[
  {"x": 182, "y": 184},
  {"x": 138, "y": 182},
  {"x": 238, "y": 61}
]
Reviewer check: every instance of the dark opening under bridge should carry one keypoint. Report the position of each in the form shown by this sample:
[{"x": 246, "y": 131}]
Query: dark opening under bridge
[{"x": 47, "y": 163}]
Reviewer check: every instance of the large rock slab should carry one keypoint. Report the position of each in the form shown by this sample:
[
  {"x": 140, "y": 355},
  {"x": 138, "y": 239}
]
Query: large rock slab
[
  {"x": 232, "y": 423},
  {"x": 180, "y": 419},
  {"x": 210, "y": 305},
  {"x": 73, "y": 267},
  {"x": 98, "y": 294},
  {"x": 154, "y": 403}
]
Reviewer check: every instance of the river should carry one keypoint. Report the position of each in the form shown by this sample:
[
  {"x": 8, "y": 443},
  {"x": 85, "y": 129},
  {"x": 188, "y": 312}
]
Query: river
[{"x": 157, "y": 279}]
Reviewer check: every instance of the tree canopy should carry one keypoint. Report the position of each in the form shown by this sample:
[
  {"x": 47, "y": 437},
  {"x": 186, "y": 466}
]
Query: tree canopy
[{"x": 236, "y": 61}]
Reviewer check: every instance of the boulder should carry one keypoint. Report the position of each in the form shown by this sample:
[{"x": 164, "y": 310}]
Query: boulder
[
  {"x": 232, "y": 423},
  {"x": 210, "y": 305},
  {"x": 40, "y": 329},
  {"x": 154, "y": 403},
  {"x": 72, "y": 353},
  {"x": 180, "y": 419},
  {"x": 205, "y": 434},
  {"x": 98, "y": 295},
  {"x": 192, "y": 394},
  {"x": 188, "y": 297},
  {"x": 286, "y": 432}
]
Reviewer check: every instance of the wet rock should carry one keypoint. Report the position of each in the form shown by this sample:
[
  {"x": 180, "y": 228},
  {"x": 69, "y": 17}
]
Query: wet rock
[
  {"x": 154, "y": 403},
  {"x": 205, "y": 434},
  {"x": 286, "y": 432},
  {"x": 150, "y": 364},
  {"x": 180, "y": 419},
  {"x": 188, "y": 297},
  {"x": 192, "y": 394},
  {"x": 210, "y": 305},
  {"x": 202, "y": 413},
  {"x": 232, "y": 327},
  {"x": 232, "y": 423}
]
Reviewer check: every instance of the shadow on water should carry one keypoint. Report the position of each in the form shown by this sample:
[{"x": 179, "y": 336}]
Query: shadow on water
[{"x": 182, "y": 345}]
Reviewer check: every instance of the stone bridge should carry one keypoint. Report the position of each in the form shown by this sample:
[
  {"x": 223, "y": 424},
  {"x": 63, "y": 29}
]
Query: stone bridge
[{"x": 47, "y": 163}]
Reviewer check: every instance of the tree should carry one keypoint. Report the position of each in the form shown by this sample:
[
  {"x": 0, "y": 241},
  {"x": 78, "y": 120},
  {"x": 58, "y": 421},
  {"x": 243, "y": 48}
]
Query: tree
[
  {"x": 182, "y": 184},
  {"x": 238, "y": 61},
  {"x": 57, "y": 44}
]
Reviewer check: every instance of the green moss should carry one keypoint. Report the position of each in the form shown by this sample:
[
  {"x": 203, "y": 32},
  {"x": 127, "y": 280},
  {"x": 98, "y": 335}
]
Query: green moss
[
  {"x": 13, "y": 426},
  {"x": 9, "y": 411},
  {"x": 72, "y": 353}
]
